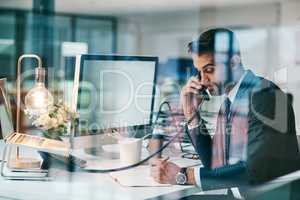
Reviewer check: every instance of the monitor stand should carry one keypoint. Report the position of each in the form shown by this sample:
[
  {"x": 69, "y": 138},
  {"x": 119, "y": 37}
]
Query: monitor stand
[
  {"x": 93, "y": 145},
  {"x": 100, "y": 152}
]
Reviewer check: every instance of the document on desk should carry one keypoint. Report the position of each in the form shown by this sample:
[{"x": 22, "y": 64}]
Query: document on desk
[{"x": 136, "y": 177}]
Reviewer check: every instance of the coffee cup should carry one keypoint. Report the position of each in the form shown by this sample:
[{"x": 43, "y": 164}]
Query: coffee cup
[{"x": 130, "y": 150}]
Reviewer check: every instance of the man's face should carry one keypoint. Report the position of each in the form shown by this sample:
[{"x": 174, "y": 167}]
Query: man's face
[{"x": 213, "y": 75}]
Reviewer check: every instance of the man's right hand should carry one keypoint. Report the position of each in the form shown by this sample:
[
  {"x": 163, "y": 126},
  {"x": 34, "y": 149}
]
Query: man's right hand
[{"x": 190, "y": 98}]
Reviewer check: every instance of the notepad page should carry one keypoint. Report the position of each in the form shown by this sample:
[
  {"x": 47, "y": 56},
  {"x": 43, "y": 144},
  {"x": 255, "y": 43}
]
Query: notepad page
[{"x": 136, "y": 177}]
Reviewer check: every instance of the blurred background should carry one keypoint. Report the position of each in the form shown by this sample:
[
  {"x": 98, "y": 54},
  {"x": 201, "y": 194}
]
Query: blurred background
[{"x": 268, "y": 31}]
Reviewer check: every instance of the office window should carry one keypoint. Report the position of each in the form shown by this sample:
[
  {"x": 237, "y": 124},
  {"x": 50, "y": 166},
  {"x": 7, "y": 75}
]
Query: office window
[
  {"x": 26, "y": 32},
  {"x": 40, "y": 33},
  {"x": 96, "y": 33},
  {"x": 7, "y": 45}
]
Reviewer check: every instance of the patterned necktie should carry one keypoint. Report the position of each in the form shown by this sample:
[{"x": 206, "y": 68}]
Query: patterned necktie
[{"x": 221, "y": 139}]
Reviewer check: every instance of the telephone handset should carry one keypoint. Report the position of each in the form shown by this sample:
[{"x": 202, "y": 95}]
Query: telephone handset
[{"x": 203, "y": 92}]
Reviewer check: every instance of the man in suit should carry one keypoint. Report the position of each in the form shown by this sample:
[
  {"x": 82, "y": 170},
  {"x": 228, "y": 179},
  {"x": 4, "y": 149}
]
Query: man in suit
[{"x": 255, "y": 138}]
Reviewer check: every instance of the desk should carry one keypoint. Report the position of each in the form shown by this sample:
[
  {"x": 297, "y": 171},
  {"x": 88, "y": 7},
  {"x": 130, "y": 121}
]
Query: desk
[{"x": 82, "y": 185}]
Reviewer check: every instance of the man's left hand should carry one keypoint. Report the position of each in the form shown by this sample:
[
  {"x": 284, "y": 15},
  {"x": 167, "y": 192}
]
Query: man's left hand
[{"x": 163, "y": 171}]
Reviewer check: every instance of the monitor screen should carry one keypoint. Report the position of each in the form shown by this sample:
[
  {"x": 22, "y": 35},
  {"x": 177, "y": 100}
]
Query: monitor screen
[{"x": 115, "y": 91}]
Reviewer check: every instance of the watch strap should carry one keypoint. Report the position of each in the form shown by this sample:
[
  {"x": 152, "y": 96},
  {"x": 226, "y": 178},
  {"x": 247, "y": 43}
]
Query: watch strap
[{"x": 183, "y": 170}]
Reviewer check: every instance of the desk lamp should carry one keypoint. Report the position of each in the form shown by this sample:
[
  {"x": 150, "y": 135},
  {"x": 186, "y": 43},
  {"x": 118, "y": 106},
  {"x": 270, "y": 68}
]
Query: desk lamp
[{"x": 36, "y": 102}]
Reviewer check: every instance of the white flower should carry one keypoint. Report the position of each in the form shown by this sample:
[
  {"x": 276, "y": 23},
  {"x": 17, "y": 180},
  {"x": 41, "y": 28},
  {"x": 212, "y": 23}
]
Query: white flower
[
  {"x": 60, "y": 119},
  {"x": 58, "y": 114},
  {"x": 42, "y": 121},
  {"x": 54, "y": 123}
]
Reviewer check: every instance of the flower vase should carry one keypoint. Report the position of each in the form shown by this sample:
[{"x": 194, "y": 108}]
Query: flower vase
[{"x": 52, "y": 134}]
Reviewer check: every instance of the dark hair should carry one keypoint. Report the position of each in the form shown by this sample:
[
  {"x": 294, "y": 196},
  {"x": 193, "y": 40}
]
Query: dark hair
[{"x": 207, "y": 42}]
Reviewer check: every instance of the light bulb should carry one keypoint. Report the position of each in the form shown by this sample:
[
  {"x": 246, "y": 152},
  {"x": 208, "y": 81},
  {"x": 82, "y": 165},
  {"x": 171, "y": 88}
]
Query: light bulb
[{"x": 38, "y": 98}]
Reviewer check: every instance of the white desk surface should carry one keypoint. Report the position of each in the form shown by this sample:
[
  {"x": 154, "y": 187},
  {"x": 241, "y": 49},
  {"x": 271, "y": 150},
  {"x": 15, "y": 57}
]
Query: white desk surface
[{"x": 82, "y": 185}]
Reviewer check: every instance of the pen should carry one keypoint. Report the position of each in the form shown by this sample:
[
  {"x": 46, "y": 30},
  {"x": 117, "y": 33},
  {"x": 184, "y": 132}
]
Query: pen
[
  {"x": 166, "y": 159},
  {"x": 162, "y": 160}
]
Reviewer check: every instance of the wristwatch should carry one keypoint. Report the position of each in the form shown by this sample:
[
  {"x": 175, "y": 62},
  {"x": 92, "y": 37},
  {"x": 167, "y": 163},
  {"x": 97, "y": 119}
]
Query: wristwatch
[{"x": 181, "y": 177}]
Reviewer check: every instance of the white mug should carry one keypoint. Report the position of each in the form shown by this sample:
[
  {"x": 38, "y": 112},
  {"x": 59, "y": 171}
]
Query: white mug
[{"x": 130, "y": 150}]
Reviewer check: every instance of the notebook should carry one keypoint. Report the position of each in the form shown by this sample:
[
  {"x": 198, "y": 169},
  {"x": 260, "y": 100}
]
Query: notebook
[
  {"x": 136, "y": 177},
  {"x": 140, "y": 176}
]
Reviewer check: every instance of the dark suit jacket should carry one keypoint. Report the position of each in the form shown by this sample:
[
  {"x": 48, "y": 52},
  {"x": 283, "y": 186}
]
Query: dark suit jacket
[{"x": 272, "y": 148}]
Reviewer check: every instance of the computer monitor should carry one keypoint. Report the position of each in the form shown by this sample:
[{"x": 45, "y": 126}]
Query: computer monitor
[{"x": 113, "y": 92}]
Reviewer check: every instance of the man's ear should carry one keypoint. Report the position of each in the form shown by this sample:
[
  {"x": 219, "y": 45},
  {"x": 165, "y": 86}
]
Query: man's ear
[{"x": 235, "y": 60}]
